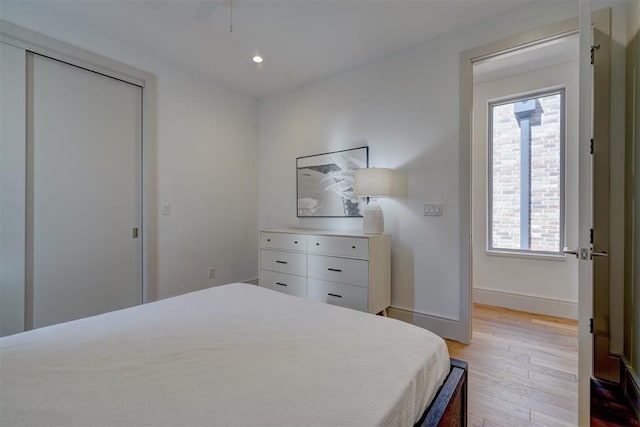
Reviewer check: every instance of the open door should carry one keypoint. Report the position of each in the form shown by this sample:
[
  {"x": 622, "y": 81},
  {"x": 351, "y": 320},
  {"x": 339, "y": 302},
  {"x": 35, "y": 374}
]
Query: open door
[{"x": 594, "y": 200}]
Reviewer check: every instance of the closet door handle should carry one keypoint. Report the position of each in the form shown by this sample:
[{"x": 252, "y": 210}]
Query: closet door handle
[
  {"x": 334, "y": 269},
  {"x": 281, "y": 284},
  {"x": 334, "y": 295},
  {"x": 281, "y": 262}
]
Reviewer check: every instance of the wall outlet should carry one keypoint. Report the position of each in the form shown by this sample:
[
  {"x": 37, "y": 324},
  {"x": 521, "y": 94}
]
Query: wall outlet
[
  {"x": 166, "y": 209},
  {"x": 433, "y": 209},
  {"x": 212, "y": 273}
]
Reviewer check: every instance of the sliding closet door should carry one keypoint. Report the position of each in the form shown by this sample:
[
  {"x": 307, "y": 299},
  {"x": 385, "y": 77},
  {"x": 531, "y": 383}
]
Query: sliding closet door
[
  {"x": 12, "y": 187},
  {"x": 83, "y": 192}
]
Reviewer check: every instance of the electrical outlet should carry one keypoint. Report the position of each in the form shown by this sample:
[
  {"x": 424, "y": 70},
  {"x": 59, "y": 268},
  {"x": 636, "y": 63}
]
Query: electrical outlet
[
  {"x": 166, "y": 209},
  {"x": 433, "y": 209},
  {"x": 212, "y": 273}
]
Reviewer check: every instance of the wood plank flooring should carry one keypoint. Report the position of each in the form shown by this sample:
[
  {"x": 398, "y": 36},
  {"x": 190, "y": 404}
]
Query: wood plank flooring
[{"x": 523, "y": 369}]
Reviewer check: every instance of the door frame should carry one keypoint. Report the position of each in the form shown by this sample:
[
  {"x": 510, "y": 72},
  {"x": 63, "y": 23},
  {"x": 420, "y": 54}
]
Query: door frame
[
  {"x": 577, "y": 25},
  {"x": 604, "y": 365},
  {"x": 545, "y": 34},
  {"x": 43, "y": 45}
]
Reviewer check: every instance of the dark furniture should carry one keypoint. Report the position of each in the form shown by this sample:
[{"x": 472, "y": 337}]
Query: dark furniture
[{"x": 449, "y": 406}]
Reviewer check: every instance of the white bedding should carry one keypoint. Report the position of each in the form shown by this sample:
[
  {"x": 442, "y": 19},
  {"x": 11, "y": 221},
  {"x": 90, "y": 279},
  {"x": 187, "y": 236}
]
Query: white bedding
[{"x": 231, "y": 355}]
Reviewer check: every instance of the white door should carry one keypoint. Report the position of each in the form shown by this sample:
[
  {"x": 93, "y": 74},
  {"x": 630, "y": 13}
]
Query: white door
[
  {"x": 83, "y": 192},
  {"x": 12, "y": 187},
  {"x": 585, "y": 269},
  {"x": 595, "y": 32}
]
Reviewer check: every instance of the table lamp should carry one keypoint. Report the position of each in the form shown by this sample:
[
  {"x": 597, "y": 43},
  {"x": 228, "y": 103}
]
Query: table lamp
[{"x": 373, "y": 183}]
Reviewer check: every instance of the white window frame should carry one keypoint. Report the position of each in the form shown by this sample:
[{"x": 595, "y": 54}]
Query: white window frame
[{"x": 509, "y": 100}]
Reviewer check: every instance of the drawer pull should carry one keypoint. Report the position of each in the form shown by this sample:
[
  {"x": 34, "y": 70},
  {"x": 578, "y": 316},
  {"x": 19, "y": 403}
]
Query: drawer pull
[
  {"x": 334, "y": 269},
  {"x": 296, "y": 242},
  {"x": 281, "y": 284},
  {"x": 268, "y": 240},
  {"x": 334, "y": 295},
  {"x": 353, "y": 247},
  {"x": 317, "y": 244},
  {"x": 281, "y": 262}
]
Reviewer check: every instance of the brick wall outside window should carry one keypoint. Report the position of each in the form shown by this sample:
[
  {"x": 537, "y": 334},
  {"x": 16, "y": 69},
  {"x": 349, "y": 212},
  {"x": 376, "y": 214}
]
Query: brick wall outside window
[{"x": 545, "y": 179}]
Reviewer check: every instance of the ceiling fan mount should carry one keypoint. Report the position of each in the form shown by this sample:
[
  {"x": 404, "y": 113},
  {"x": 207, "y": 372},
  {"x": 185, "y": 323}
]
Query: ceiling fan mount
[{"x": 207, "y": 8}]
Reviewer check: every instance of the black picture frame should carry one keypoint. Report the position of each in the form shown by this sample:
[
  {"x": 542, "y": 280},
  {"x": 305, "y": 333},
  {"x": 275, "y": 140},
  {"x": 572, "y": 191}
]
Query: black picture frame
[{"x": 324, "y": 183}]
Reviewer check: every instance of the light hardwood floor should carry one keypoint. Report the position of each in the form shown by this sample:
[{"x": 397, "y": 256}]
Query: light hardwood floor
[{"x": 522, "y": 369}]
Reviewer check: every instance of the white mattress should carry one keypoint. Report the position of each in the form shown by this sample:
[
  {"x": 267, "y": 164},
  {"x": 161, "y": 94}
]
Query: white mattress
[{"x": 231, "y": 355}]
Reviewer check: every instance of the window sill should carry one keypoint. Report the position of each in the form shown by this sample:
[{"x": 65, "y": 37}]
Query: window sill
[{"x": 549, "y": 257}]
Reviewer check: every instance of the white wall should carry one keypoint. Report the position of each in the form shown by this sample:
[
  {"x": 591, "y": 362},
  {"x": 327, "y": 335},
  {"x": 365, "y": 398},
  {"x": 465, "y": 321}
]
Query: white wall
[
  {"x": 207, "y": 162},
  {"x": 550, "y": 286},
  {"x": 404, "y": 106},
  {"x": 208, "y": 173}
]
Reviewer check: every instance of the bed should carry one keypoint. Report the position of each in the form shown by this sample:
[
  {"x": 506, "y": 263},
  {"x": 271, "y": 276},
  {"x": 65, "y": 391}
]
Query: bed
[{"x": 236, "y": 354}]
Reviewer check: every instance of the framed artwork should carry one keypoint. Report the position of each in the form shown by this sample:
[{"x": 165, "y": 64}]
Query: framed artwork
[{"x": 325, "y": 183}]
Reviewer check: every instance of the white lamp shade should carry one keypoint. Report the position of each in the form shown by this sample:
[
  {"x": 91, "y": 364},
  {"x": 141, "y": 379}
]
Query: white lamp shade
[{"x": 373, "y": 182}]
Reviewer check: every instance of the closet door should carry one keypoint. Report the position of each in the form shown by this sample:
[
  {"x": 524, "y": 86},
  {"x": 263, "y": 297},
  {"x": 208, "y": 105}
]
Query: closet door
[
  {"x": 83, "y": 192},
  {"x": 12, "y": 188}
]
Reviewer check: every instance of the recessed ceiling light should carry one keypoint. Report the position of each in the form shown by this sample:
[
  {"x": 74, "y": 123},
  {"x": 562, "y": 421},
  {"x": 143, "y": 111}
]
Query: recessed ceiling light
[{"x": 257, "y": 59}]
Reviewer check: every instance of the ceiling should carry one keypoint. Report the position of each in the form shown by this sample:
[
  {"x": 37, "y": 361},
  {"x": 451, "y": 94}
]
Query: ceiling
[{"x": 300, "y": 40}]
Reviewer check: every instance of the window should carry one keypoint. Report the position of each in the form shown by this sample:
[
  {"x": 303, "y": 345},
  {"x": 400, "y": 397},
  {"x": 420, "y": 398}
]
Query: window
[{"x": 526, "y": 174}]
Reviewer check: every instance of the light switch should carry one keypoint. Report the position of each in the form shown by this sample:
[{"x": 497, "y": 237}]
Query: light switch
[
  {"x": 166, "y": 209},
  {"x": 433, "y": 209}
]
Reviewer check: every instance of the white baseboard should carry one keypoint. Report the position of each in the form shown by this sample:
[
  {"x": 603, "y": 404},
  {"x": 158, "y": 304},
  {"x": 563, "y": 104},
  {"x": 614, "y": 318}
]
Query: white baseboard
[
  {"x": 446, "y": 328},
  {"x": 530, "y": 304},
  {"x": 453, "y": 329},
  {"x": 252, "y": 281}
]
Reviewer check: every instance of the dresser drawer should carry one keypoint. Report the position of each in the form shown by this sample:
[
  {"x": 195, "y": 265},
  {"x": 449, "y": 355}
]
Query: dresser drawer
[
  {"x": 286, "y": 283},
  {"x": 345, "y": 246},
  {"x": 342, "y": 270},
  {"x": 354, "y": 297},
  {"x": 294, "y": 242},
  {"x": 284, "y": 262}
]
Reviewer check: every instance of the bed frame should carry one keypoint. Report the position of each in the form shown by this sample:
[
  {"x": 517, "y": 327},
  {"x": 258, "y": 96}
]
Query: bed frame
[{"x": 449, "y": 407}]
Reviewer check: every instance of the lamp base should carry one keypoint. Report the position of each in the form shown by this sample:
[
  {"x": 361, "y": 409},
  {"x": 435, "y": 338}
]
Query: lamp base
[{"x": 372, "y": 219}]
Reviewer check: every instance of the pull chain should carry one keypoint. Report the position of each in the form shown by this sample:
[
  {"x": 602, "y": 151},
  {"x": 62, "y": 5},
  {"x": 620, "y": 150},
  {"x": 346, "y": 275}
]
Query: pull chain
[{"x": 231, "y": 16}]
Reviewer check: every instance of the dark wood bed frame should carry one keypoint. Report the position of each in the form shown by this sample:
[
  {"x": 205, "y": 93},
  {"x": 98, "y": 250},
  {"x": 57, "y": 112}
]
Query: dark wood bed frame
[{"x": 449, "y": 407}]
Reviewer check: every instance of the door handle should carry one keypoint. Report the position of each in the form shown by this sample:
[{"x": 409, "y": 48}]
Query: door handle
[
  {"x": 583, "y": 253},
  {"x": 598, "y": 254},
  {"x": 575, "y": 252},
  {"x": 580, "y": 253}
]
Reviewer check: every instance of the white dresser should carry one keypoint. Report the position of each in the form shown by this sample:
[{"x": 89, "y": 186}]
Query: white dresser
[{"x": 351, "y": 270}]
